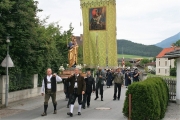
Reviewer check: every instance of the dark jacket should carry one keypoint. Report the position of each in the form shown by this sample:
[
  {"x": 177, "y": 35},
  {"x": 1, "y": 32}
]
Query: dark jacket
[
  {"x": 135, "y": 76},
  {"x": 53, "y": 83},
  {"x": 90, "y": 84},
  {"x": 109, "y": 78},
  {"x": 127, "y": 78},
  {"x": 102, "y": 79},
  {"x": 81, "y": 84}
]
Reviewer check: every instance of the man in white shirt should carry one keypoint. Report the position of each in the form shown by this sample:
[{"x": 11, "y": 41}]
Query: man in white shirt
[{"x": 49, "y": 85}]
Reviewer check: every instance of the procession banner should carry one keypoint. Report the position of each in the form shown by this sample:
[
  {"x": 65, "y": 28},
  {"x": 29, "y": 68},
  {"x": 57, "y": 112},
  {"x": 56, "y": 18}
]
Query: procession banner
[{"x": 99, "y": 33}]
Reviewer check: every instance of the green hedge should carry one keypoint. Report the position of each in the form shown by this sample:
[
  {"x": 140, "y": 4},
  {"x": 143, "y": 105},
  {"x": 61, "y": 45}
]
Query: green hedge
[{"x": 149, "y": 99}]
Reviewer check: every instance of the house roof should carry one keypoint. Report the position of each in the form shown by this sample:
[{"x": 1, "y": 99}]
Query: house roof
[
  {"x": 164, "y": 51},
  {"x": 173, "y": 54}
]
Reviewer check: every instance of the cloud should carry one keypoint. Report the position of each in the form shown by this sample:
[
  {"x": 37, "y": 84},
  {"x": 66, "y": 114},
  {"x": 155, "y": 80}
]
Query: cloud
[
  {"x": 148, "y": 21},
  {"x": 141, "y": 21}
]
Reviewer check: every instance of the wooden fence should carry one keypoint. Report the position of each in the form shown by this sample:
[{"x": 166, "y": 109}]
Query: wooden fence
[{"x": 171, "y": 83}]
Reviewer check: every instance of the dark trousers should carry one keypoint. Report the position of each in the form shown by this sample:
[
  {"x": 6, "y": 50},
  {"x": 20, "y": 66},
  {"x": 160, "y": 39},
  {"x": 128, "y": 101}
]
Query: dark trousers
[
  {"x": 69, "y": 101},
  {"x": 129, "y": 82},
  {"x": 117, "y": 86},
  {"x": 66, "y": 90},
  {"x": 49, "y": 94},
  {"x": 99, "y": 86},
  {"x": 86, "y": 98},
  {"x": 73, "y": 99}
]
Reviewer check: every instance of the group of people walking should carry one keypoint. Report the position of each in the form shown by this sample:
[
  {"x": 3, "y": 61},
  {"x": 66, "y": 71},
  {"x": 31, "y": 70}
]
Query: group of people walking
[
  {"x": 81, "y": 87},
  {"x": 129, "y": 76}
]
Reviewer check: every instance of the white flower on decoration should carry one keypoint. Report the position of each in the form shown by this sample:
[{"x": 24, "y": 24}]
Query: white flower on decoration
[
  {"x": 98, "y": 66},
  {"x": 79, "y": 66},
  {"x": 84, "y": 65},
  {"x": 61, "y": 68},
  {"x": 67, "y": 65}
]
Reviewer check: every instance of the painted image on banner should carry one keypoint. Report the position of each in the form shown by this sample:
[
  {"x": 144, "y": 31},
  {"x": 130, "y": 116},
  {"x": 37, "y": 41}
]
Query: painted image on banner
[{"x": 97, "y": 18}]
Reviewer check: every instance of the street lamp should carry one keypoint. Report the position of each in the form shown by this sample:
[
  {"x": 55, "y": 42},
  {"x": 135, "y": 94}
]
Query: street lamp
[
  {"x": 7, "y": 65},
  {"x": 7, "y": 62}
]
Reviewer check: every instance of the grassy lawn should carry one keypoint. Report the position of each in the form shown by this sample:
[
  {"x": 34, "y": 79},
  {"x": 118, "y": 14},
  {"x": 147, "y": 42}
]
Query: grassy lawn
[
  {"x": 152, "y": 75},
  {"x": 132, "y": 56}
]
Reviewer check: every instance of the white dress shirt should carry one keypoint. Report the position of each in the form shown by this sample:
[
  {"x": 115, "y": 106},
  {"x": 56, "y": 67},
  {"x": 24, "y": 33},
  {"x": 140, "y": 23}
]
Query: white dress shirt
[
  {"x": 75, "y": 84},
  {"x": 58, "y": 79}
]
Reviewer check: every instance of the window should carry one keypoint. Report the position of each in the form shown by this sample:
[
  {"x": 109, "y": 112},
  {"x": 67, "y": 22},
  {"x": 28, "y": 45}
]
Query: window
[
  {"x": 165, "y": 63},
  {"x": 159, "y": 70},
  {"x": 159, "y": 63},
  {"x": 165, "y": 71}
]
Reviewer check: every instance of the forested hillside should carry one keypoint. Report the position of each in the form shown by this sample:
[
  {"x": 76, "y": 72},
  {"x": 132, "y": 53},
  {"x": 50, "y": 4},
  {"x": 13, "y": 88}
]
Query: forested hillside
[{"x": 132, "y": 48}]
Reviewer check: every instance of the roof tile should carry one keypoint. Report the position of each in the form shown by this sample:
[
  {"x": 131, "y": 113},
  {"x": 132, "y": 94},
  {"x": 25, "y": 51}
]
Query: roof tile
[{"x": 164, "y": 51}]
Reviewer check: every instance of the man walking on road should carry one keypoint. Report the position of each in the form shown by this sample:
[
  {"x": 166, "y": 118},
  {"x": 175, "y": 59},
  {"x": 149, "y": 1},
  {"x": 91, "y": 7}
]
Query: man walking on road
[
  {"x": 118, "y": 81},
  {"x": 136, "y": 75},
  {"x": 76, "y": 90},
  {"x": 90, "y": 87},
  {"x": 101, "y": 77},
  {"x": 49, "y": 84}
]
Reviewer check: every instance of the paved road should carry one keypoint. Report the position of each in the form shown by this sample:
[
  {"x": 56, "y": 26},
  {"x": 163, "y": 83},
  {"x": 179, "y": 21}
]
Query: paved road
[{"x": 32, "y": 108}]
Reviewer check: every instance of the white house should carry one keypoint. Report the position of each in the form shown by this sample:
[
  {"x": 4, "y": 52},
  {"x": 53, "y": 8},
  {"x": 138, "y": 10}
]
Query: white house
[{"x": 163, "y": 64}]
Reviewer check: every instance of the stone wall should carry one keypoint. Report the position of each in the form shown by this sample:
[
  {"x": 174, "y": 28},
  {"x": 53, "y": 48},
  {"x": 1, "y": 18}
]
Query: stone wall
[{"x": 22, "y": 94}]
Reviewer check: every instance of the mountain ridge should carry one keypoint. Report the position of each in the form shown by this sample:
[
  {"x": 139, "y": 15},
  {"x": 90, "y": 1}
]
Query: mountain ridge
[{"x": 168, "y": 41}]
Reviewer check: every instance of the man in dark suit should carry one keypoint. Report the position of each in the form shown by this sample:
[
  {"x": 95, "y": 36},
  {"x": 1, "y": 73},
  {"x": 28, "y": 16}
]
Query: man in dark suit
[
  {"x": 136, "y": 75},
  {"x": 90, "y": 87},
  {"x": 100, "y": 79},
  {"x": 76, "y": 90}
]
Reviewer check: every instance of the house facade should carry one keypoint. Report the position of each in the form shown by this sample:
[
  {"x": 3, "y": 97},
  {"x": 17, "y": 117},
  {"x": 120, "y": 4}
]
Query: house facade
[{"x": 163, "y": 64}]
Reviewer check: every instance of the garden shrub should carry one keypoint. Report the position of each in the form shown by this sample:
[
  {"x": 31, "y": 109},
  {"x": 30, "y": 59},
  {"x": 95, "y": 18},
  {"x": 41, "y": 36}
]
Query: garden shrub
[{"x": 149, "y": 99}]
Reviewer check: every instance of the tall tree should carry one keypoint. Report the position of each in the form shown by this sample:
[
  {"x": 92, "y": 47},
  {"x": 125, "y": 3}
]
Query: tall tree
[
  {"x": 177, "y": 43},
  {"x": 35, "y": 45},
  {"x": 18, "y": 19}
]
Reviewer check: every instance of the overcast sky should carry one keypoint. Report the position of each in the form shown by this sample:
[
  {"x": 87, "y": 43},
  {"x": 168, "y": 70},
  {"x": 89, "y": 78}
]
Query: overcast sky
[{"x": 141, "y": 21}]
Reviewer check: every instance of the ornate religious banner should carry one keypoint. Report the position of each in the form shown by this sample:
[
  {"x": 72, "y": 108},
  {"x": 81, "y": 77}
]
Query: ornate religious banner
[{"x": 99, "y": 33}]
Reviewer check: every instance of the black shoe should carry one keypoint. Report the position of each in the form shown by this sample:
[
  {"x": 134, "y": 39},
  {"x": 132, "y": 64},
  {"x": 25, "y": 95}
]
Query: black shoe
[
  {"x": 101, "y": 97},
  {"x": 118, "y": 98},
  {"x": 84, "y": 107},
  {"x": 55, "y": 112},
  {"x": 96, "y": 98},
  {"x": 70, "y": 114},
  {"x": 44, "y": 114},
  {"x": 114, "y": 99},
  {"x": 88, "y": 106},
  {"x": 79, "y": 113},
  {"x": 67, "y": 106}
]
